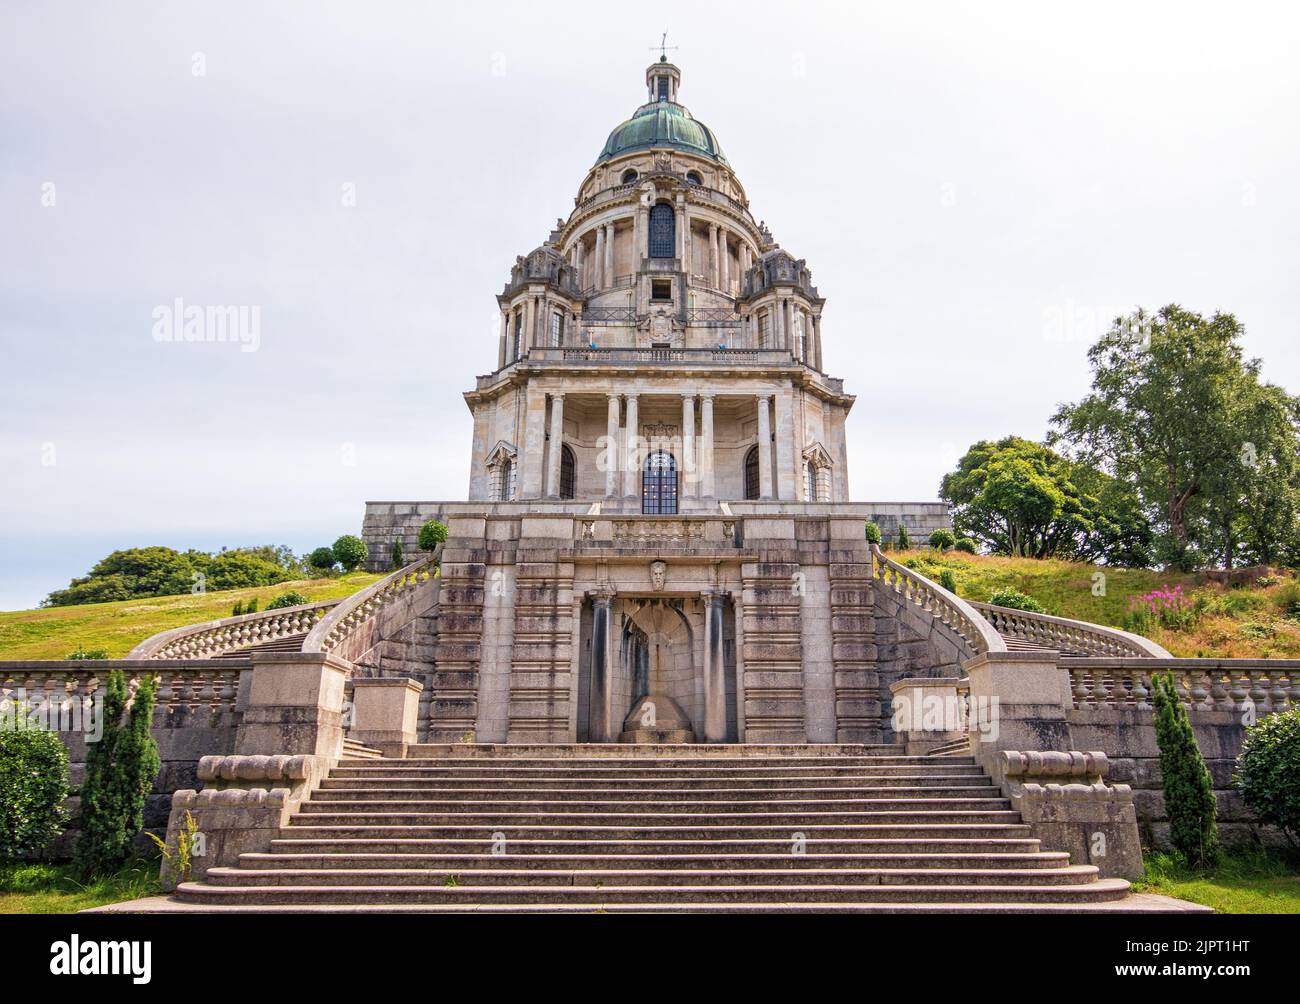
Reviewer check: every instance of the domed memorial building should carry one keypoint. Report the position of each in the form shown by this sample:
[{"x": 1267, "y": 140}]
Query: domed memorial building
[{"x": 659, "y": 496}]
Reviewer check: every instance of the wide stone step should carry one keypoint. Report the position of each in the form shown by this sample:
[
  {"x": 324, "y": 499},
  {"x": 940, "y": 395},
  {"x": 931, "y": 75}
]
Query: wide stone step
[
  {"x": 674, "y": 830},
  {"x": 706, "y": 860},
  {"x": 592, "y": 795},
  {"x": 932, "y": 767},
  {"x": 521, "y": 846},
  {"x": 817, "y": 781},
  {"x": 587, "y": 897},
  {"x": 694, "y": 802},
  {"x": 668, "y": 763},
  {"x": 324, "y": 815},
  {"x": 640, "y": 751},
  {"x": 676, "y": 878}
]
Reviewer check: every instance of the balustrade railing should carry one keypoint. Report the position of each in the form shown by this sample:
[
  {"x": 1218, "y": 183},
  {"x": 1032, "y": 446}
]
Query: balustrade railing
[
  {"x": 1069, "y": 637},
  {"x": 62, "y": 694},
  {"x": 931, "y": 598},
  {"x": 355, "y": 611},
  {"x": 1233, "y": 685},
  {"x": 213, "y": 638}
]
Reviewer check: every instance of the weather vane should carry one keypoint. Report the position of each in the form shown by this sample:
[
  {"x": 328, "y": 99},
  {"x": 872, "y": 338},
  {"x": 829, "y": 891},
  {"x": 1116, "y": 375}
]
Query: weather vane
[{"x": 664, "y": 48}]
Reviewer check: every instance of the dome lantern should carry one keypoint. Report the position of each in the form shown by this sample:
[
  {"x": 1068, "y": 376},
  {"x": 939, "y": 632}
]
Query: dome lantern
[{"x": 662, "y": 79}]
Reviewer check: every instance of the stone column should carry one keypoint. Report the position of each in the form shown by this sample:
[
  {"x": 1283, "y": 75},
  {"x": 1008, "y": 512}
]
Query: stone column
[
  {"x": 530, "y": 325},
  {"x": 600, "y": 721},
  {"x": 764, "y": 449},
  {"x": 532, "y": 459},
  {"x": 713, "y": 255},
  {"x": 556, "y": 448},
  {"x": 609, "y": 255},
  {"x": 612, "y": 464},
  {"x": 684, "y": 236},
  {"x": 686, "y": 483},
  {"x": 580, "y": 256},
  {"x": 778, "y": 324},
  {"x": 631, "y": 455},
  {"x": 817, "y": 339},
  {"x": 598, "y": 270},
  {"x": 505, "y": 333},
  {"x": 715, "y": 680},
  {"x": 785, "y": 453},
  {"x": 706, "y": 446},
  {"x": 643, "y": 236},
  {"x": 724, "y": 259}
]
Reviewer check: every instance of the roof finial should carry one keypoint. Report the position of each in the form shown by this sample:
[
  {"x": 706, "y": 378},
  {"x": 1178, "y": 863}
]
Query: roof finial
[{"x": 664, "y": 48}]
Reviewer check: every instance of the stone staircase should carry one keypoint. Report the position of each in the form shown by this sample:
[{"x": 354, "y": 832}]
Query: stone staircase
[{"x": 672, "y": 828}]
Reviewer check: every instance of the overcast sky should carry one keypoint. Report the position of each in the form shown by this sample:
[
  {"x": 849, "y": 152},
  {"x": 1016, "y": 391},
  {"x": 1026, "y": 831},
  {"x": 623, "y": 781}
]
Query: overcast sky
[{"x": 978, "y": 188}]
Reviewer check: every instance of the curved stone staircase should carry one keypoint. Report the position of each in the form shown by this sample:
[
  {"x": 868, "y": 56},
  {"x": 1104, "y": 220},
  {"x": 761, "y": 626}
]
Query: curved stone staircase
[{"x": 656, "y": 828}]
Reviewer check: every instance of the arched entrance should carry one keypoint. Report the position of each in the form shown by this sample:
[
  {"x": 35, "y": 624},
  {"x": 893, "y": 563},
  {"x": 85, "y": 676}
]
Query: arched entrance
[{"x": 659, "y": 485}]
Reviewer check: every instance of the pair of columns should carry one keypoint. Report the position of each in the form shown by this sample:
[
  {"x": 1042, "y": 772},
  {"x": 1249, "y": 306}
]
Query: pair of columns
[
  {"x": 719, "y": 260},
  {"x": 603, "y": 277},
  {"x": 696, "y": 475},
  {"x": 606, "y": 719}
]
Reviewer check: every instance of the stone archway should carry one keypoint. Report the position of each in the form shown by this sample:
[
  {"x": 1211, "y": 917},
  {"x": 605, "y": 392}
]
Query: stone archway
[{"x": 658, "y": 691}]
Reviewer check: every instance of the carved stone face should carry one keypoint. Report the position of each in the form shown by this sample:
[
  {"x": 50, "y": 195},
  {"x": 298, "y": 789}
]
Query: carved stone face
[{"x": 658, "y": 574}]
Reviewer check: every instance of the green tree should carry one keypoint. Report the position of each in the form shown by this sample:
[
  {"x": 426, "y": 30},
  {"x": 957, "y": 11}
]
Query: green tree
[
  {"x": 120, "y": 771},
  {"x": 1175, "y": 412},
  {"x": 432, "y": 534},
  {"x": 349, "y": 551},
  {"x": 1021, "y": 498},
  {"x": 1189, "y": 792},
  {"x": 322, "y": 558}
]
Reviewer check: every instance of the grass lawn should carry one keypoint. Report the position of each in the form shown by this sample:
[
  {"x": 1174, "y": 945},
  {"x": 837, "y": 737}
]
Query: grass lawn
[
  {"x": 1243, "y": 622},
  {"x": 46, "y": 888},
  {"x": 1245, "y": 882},
  {"x": 55, "y": 632}
]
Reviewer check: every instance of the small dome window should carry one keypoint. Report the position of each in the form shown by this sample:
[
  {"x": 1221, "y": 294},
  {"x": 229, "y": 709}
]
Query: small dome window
[
  {"x": 629, "y": 176},
  {"x": 694, "y": 178}
]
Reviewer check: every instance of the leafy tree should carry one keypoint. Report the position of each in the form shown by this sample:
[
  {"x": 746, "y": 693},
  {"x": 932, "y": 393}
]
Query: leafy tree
[
  {"x": 349, "y": 551},
  {"x": 1179, "y": 415},
  {"x": 432, "y": 534},
  {"x": 1189, "y": 792},
  {"x": 120, "y": 771},
  {"x": 942, "y": 540},
  {"x": 1021, "y": 498},
  {"x": 1268, "y": 772},
  {"x": 33, "y": 788},
  {"x": 241, "y": 569},
  {"x": 321, "y": 558}
]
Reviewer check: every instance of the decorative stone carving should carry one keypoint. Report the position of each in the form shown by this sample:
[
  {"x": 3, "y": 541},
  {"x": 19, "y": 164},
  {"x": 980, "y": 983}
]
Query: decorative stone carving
[{"x": 658, "y": 575}]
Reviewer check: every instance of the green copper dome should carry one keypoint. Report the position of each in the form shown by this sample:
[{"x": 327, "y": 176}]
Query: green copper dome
[{"x": 663, "y": 124}]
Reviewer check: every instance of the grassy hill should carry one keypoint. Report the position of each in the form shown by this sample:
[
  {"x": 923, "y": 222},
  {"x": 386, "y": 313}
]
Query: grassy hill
[
  {"x": 1254, "y": 621},
  {"x": 1260, "y": 620},
  {"x": 55, "y": 632}
]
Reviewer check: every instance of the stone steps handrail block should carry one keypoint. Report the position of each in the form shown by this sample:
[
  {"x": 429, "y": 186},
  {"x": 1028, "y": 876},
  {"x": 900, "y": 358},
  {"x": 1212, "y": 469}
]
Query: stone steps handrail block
[
  {"x": 1065, "y": 635},
  {"x": 931, "y": 597},
  {"x": 212, "y": 638},
  {"x": 364, "y": 604}
]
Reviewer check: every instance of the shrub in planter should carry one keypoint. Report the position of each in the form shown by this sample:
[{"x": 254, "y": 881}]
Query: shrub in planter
[
  {"x": 432, "y": 534},
  {"x": 873, "y": 533},
  {"x": 289, "y": 599},
  {"x": 1016, "y": 600},
  {"x": 33, "y": 788},
  {"x": 1268, "y": 772},
  {"x": 942, "y": 540},
  {"x": 1189, "y": 792},
  {"x": 349, "y": 551}
]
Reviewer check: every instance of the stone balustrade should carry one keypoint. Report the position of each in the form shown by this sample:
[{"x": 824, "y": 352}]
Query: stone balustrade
[
  {"x": 947, "y": 608},
  {"x": 1069, "y": 637},
  {"x": 188, "y": 690},
  {"x": 230, "y": 634},
  {"x": 361, "y": 608},
  {"x": 1232, "y": 685}
]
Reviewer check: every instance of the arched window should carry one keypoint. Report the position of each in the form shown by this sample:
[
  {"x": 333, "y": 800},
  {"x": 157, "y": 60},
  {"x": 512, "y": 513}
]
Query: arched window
[
  {"x": 629, "y": 176},
  {"x": 502, "y": 480},
  {"x": 659, "y": 485},
  {"x": 568, "y": 474},
  {"x": 751, "y": 474},
  {"x": 810, "y": 481},
  {"x": 663, "y": 231},
  {"x": 694, "y": 178}
]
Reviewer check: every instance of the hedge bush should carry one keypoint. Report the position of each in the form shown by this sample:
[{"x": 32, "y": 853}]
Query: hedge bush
[
  {"x": 942, "y": 540},
  {"x": 1016, "y": 600},
  {"x": 33, "y": 788},
  {"x": 289, "y": 599},
  {"x": 1268, "y": 772},
  {"x": 1189, "y": 792},
  {"x": 873, "y": 533},
  {"x": 965, "y": 544}
]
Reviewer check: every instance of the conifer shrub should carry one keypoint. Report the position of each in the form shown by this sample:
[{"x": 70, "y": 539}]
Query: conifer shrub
[
  {"x": 396, "y": 557},
  {"x": 1189, "y": 792},
  {"x": 904, "y": 541}
]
